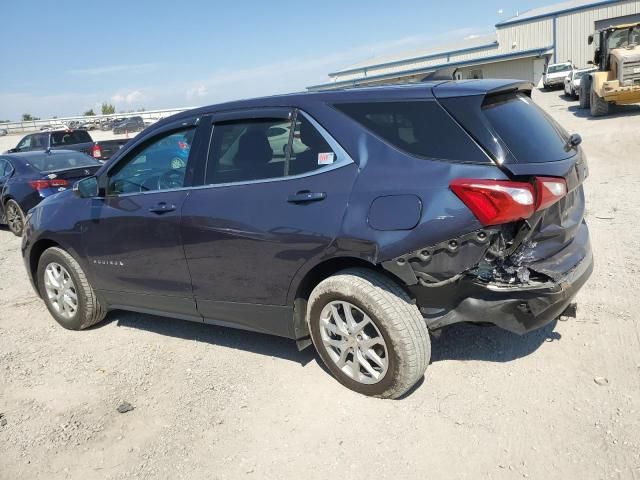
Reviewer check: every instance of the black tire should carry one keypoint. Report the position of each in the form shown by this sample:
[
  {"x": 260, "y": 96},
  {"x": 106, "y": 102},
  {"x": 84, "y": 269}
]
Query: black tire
[
  {"x": 392, "y": 312},
  {"x": 14, "y": 216},
  {"x": 89, "y": 311},
  {"x": 585, "y": 92},
  {"x": 599, "y": 106}
]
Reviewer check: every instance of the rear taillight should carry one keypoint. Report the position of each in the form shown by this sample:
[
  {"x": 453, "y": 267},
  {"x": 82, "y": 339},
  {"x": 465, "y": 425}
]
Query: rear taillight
[
  {"x": 548, "y": 191},
  {"x": 495, "y": 202},
  {"x": 96, "y": 152},
  {"x": 48, "y": 183}
]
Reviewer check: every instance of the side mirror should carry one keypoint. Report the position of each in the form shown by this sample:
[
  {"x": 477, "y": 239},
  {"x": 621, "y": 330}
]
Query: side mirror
[
  {"x": 590, "y": 39},
  {"x": 86, "y": 188},
  {"x": 573, "y": 142}
]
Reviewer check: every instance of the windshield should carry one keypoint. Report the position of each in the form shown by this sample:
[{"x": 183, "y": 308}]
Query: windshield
[
  {"x": 559, "y": 68},
  {"x": 624, "y": 38},
  {"x": 60, "y": 161}
]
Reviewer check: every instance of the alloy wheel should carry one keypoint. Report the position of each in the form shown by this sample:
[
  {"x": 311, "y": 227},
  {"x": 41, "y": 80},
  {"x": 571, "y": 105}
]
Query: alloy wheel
[
  {"x": 14, "y": 217},
  {"x": 354, "y": 342},
  {"x": 61, "y": 291}
]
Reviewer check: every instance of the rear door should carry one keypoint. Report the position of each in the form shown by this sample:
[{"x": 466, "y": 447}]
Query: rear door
[
  {"x": 133, "y": 240},
  {"x": 261, "y": 214}
]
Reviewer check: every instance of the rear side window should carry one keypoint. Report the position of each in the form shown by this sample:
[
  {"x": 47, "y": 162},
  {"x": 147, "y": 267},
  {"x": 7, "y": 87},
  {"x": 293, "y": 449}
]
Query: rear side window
[
  {"x": 421, "y": 128},
  {"x": 530, "y": 134}
]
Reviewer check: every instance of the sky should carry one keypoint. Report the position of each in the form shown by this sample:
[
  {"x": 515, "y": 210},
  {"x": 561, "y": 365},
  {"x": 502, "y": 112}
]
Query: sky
[{"x": 64, "y": 57}]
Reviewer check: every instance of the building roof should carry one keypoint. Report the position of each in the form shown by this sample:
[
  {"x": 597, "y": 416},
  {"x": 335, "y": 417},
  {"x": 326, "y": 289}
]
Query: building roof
[
  {"x": 558, "y": 8},
  {"x": 475, "y": 42}
]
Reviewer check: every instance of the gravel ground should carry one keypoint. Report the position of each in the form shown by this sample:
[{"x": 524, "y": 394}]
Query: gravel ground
[{"x": 211, "y": 402}]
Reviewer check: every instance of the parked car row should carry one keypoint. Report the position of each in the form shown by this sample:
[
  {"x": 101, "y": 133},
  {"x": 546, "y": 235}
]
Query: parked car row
[
  {"x": 565, "y": 75},
  {"x": 69, "y": 139},
  {"x": 356, "y": 221},
  {"x": 123, "y": 125}
]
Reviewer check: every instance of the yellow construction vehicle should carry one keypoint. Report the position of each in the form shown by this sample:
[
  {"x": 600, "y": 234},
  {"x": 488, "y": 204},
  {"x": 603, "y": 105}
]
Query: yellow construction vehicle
[{"x": 617, "y": 80}]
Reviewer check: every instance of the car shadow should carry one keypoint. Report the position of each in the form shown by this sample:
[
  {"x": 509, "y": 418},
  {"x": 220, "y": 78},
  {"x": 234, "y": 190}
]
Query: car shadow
[
  {"x": 259, "y": 343},
  {"x": 488, "y": 343},
  {"x": 617, "y": 111},
  {"x": 456, "y": 342}
]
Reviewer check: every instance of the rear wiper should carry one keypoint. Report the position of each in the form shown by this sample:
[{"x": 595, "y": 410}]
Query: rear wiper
[{"x": 573, "y": 142}]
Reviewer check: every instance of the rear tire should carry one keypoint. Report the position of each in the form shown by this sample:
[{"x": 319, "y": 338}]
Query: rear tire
[
  {"x": 14, "y": 217},
  {"x": 599, "y": 106},
  {"x": 383, "y": 328},
  {"x": 66, "y": 291}
]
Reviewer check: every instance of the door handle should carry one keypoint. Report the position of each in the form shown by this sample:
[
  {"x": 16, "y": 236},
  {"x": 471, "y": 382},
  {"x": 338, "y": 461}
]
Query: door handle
[
  {"x": 306, "y": 197},
  {"x": 161, "y": 208}
]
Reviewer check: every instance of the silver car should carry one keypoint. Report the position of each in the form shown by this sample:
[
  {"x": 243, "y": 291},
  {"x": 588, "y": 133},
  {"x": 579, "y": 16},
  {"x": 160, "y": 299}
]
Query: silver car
[{"x": 572, "y": 82}]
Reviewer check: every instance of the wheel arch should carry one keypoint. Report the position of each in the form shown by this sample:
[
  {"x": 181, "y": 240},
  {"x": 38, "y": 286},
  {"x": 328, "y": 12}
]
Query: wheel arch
[{"x": 301, "y": 291}]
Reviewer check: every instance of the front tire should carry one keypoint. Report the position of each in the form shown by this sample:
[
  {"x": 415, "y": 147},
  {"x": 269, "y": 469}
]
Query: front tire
[
  {"x": 599, "y": 106},
  {"x": 66, "y": 291},
  {"x": 14, "y": 216},
  {"x": 369, "y": 333},
  {"x": 585, "y": 92}
]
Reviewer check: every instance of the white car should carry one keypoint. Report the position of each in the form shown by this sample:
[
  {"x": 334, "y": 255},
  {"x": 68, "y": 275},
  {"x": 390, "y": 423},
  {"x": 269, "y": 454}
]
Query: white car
[
  {"x": 555, "y": 74},
  {"x": 572, "y": 82}
]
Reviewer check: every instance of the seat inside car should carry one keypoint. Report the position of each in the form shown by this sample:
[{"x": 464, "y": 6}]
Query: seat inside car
[{"x": 252, "y": 159}]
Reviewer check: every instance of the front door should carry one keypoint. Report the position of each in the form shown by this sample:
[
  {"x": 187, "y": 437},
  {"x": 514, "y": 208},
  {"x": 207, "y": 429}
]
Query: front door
[
  {"x": 133, "y": 240},
  {"x": 270, "y": 203}
]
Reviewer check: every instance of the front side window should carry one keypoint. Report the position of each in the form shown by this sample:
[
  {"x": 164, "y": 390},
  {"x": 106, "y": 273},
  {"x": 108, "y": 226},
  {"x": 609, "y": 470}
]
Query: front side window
[
  {"x": 158, "y": 165},
  {"x": 25, "y": 143},
  {"x": 259, "y": 149}
]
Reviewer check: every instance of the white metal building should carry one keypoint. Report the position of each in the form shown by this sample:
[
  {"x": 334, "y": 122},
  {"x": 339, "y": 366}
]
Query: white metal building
[{"x": 520, "y": 47}]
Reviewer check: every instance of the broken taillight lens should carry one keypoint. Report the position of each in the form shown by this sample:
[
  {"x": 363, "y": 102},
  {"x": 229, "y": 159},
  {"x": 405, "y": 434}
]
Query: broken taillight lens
[
  {"x": 549, "y": 190},
  {"x": 495, "y": 202}
]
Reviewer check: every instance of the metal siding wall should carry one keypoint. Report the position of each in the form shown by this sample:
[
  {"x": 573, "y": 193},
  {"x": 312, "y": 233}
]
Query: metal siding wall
[
  {"x": 574, "y": 28},
  {"x": 527, "y": 36},
  {"x": 521, "y": 69}
]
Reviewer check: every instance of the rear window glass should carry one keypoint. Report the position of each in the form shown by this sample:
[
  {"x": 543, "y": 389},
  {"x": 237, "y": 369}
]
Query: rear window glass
[
  {"x": 60, "y": 161},
  {"x": 529, "y": 133},
  {"x": 421, "y": 128},
  {"x": 70, "y": 138}
]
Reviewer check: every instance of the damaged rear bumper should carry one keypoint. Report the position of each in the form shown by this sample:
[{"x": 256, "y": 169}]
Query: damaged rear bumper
[{"x": 518, "y": 308}]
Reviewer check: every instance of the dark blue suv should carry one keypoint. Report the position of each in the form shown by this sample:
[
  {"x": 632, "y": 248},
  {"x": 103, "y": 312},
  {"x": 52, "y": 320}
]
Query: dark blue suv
[{"x": 357, "y": 220}]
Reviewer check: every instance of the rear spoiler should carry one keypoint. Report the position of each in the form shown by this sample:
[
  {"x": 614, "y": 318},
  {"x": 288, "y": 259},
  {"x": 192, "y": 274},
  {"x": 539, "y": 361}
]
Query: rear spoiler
[{"x": 466, "y": 88}]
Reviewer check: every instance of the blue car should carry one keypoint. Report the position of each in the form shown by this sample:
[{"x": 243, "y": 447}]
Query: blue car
[
  {"x": 391, "y": 212},
  {"x": 27, "y": 178}
]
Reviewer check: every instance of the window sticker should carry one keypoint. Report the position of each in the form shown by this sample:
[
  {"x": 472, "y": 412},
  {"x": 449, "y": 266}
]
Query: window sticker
[{"x": 326, "y": 158}]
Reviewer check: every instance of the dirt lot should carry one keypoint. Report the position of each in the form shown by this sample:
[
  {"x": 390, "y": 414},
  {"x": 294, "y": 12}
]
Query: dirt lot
[{"x": 210, "y": 402}]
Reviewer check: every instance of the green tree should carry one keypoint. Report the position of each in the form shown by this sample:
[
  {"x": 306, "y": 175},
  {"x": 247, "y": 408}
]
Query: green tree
[
  {"x": 108, "y": 108},
  {"x": 27, "y": 117},
  {"x": 89, "y": 113}
]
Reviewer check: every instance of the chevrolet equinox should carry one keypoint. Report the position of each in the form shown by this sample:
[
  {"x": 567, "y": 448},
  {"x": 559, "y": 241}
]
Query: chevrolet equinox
[{"x": 389, "y": 212}]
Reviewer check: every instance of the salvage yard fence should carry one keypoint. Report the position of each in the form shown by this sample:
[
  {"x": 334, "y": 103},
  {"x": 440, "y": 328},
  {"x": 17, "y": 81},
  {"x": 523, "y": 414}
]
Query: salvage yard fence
[{"x": 36, "y": 125}]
